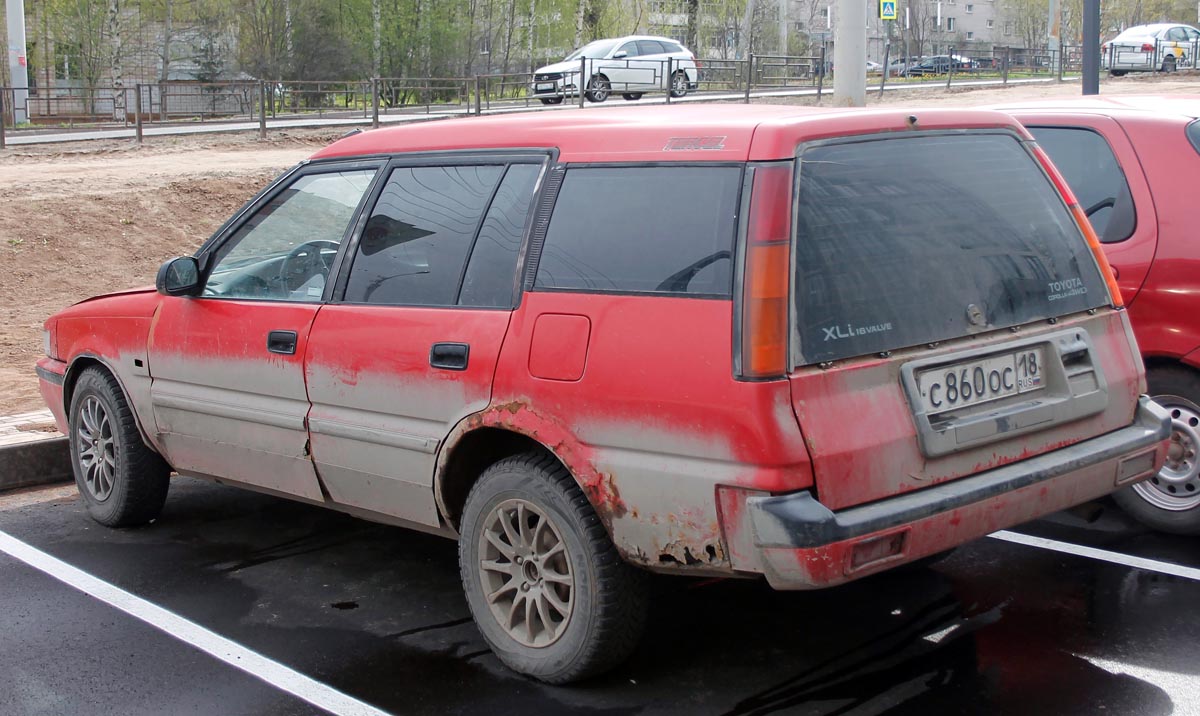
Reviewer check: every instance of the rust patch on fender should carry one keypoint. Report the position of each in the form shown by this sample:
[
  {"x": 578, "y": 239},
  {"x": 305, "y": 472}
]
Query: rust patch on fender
[{"x": 605, "y": 497}]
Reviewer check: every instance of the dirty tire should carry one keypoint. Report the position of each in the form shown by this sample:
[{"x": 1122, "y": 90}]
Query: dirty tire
[
  {"x": 1170, "y": 501},
  {"x": 608, "y": 599},
  {"x": 131, "y": 487}
]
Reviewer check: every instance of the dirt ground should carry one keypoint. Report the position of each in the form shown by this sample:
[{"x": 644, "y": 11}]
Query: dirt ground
[{"x": 84, "y": 218}]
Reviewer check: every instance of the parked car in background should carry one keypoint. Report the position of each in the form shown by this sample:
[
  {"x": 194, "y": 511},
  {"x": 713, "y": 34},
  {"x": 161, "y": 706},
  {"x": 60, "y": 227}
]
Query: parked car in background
[
  {"x": 591, "y": 345},
  {"x": 631, "y": 66},
  {"x": 1133, "y": 163},
  {"x": 874, "y": 68},
  {"x": 936, "y": 65},
  {"x": 1146, "y": 48}
]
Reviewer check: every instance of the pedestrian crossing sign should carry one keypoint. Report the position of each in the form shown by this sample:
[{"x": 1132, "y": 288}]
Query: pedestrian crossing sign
[{"x": 887, "y": 9}]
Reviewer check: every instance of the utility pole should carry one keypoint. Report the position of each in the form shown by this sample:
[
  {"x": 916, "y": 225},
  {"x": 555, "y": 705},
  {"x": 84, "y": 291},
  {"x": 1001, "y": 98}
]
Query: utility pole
[
  {"x": 1091, "y": 47},
  {"x": 17, "y": 63},
  {"x": 1053, "y": 25},
  {"x": 850, "y": 54},
  {"x": 783, "y": 27}
]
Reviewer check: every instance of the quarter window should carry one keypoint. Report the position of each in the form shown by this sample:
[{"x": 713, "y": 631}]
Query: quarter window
[
  {"x": 643, "y": 229},
  {"x": 1087, "y": 162},
  {"x": 285, "y": 250},
  {"x": 650, "y": 47},
  {"x": 491, "y": 271},
  {"x": 417, "y": 238}
]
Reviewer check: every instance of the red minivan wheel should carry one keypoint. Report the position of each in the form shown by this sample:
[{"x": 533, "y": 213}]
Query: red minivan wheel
[{"x": 1170, "y": 501}]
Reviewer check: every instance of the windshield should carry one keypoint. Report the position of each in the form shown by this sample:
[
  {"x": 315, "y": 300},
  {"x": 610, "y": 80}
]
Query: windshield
[
  {"x": 592, "y": 50},
  {"x": 913, "y": 240}
]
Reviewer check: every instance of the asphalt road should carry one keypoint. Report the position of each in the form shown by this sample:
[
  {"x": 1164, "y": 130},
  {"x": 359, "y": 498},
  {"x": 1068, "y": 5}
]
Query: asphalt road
[{"x": 300, "y": 600}]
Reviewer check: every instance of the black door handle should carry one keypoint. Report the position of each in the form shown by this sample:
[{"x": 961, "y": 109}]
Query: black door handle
[
  {"x": 449, "y": 356},
  {"x": 283, "y": 342}
]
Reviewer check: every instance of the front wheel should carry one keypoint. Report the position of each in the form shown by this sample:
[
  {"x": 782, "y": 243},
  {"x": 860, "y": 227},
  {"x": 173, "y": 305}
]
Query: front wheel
[
  {"x": 632, "y": 96},
  {"x": 546, "y": 587},
  {"x": 1168, "y": 63},
  {"x": 552, "y": 100},
  {"x": 1170, "y": 501},
  {"x": 1117, "y": 73},
  {"x": 123, "y": 482},
  {"x": 679, "y": 84},
  {"x": 598, "y": 88}
]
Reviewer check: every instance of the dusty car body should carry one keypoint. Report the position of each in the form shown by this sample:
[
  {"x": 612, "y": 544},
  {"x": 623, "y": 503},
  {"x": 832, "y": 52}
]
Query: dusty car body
[
  {"x": 650, "y": 339},
  {"x": 1132, "y": 162}
]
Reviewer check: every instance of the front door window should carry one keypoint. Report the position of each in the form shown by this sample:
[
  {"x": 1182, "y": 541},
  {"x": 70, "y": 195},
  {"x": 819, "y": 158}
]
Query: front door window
[{"x": 285, "y": 251}]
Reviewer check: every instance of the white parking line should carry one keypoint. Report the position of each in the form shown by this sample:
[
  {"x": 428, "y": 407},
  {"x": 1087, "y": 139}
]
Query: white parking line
[
  {"x": 1104, "y": 555},
  {"x": 230, "y": 652}
]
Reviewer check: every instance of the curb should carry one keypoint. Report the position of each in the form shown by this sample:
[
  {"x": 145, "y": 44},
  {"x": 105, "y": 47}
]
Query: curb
[{"x": 32, "y": 451}]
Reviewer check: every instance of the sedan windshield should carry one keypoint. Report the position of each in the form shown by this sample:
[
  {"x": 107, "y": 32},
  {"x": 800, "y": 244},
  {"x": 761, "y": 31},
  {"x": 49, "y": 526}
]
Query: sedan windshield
[{"x": 592, "y": 50}]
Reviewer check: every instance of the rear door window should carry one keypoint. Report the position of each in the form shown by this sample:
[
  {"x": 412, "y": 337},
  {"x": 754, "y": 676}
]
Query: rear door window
[
  {"x": 913, "y": 240},
  {"x": 1086, "y": 161},
  {"x": 643, "y": 230},
  {"x": 414, "y": 245},
  {"x": 650, "y": 47}
]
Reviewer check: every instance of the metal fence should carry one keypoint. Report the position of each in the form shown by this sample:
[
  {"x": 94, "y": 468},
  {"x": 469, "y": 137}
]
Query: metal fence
[
  {"x": 1160, "y": 55},
  {"x": 593, "y": 81}
]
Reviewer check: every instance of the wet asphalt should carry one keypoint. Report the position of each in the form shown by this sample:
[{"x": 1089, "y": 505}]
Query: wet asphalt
[{"x": 377, "y": 612}]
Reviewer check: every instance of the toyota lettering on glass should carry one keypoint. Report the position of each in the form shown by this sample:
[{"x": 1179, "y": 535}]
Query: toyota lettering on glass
[{"x": 981, "y": 381}]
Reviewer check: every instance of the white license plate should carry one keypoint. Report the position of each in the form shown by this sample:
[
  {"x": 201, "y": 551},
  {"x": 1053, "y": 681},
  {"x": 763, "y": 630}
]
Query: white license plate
[
  {"x": 960, "y": 385},
  {"x": 546, "y": 87}
]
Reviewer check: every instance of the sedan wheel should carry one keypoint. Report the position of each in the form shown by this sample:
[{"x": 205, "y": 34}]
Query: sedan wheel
[
  {"x": 97, "y": 463},
  {"x": 679, "y": 84},
  {"x": 598, "y": 88}
]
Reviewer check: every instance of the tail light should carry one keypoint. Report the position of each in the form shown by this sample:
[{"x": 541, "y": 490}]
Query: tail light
[
  {"x": 1147, "y": 47},
  {"x": 1084, "y": 224},
  {"x": 768, "y": 269}
]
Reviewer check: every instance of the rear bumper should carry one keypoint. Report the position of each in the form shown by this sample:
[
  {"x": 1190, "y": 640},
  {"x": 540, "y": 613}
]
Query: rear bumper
[{"x": 801, "y": 544}]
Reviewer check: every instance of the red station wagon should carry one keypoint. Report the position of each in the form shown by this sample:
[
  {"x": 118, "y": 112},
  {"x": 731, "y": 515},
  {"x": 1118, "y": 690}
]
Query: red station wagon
[
  {"x": 1134, "y": 164},
  {"x": 804, "y": 345}
]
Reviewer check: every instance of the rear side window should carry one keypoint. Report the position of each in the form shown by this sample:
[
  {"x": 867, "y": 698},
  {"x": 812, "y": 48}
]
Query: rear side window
[
  {"x": 643, "y": 230},
  {"x": 415, "y": 243},
  {"x": 1087, "y": 162},
  {"x": 912, "y": 240},
  {"x": 650, "y": 47}
]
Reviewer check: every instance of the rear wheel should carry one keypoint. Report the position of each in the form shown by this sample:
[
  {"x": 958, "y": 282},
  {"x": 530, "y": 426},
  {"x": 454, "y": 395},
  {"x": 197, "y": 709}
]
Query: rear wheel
[
  {"x": 123, "y": 482},
  {"x": 598, "y": 88},
  {"x": 552, "y": 100},
  {"x": 1170, "y": 501},
  {"x": 1168, "y": 63},
  {"x": 632, "y": 96},
  {"x": 1117, "y": 73},
  {"x": 679, "y": 84},
  {"x": 549, "y": 592}
]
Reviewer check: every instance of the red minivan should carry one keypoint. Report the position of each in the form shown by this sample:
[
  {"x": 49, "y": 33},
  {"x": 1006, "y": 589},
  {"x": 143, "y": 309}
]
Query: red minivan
[
  {"x": 1134, "y": 164},
  {"x": 798, "y": 345}
]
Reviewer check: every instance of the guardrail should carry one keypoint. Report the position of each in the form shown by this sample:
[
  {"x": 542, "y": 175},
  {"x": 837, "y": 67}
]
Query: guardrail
[
  {"x": 1161, "y": 55},
  {"x": 374, "y": 100}
]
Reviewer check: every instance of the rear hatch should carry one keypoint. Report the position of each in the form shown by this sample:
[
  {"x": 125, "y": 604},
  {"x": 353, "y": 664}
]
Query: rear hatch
[{"x": 949, "y": 315}]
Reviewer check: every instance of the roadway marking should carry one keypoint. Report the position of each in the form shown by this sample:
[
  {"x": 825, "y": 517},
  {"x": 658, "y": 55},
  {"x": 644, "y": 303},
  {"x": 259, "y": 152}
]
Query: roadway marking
[
  {"x": 251, "y": 662},
  {"x": 1104, "y": 555}
]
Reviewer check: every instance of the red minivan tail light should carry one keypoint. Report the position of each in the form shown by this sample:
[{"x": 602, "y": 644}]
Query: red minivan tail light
[
  {"x": 767, "y": 273},
  {"x": 1084, "y": 224}
]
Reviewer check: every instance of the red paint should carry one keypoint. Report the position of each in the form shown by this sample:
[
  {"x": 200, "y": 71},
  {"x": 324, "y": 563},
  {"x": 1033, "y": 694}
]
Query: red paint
[{"x": 558, "y": 350}]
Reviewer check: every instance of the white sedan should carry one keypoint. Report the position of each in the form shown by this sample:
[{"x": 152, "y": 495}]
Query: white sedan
[
  {"x": 1146, "y": 48},
  {"x": 631, "y": 65}
]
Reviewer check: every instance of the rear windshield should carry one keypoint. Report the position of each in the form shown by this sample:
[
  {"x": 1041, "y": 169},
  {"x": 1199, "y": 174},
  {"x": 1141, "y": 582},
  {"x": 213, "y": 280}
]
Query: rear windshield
[{"x": 912, "y": 240}]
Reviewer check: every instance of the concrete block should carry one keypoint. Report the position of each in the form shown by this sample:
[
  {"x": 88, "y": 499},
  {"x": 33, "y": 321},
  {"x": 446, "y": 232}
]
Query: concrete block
[{"x": 35, "y": 462}]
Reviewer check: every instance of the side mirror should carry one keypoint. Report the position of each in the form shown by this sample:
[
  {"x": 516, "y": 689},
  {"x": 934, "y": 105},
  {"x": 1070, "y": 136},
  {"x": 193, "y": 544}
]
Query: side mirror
[
  {"x": 179, "y": 277},
  {"x": 620, "y": 55}
]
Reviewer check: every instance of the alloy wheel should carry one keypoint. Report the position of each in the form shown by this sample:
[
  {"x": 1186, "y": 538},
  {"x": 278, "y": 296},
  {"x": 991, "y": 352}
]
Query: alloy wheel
[
  {"x": 96, "y": 447},
  {"x": 526, "y": 573}
]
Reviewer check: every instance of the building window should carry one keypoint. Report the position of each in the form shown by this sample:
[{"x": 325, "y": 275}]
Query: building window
[
  {"x": 949, "y": 24},
  {"x": 989, "y": 24},
  {"x": 970, "y": 8},
  {"x": 970, "y": 36},
  {"x": 1008, "y": 28}
]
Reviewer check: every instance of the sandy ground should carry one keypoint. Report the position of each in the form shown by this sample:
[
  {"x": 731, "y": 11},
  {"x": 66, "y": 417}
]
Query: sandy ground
[{"x": 85, "y": 218}]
